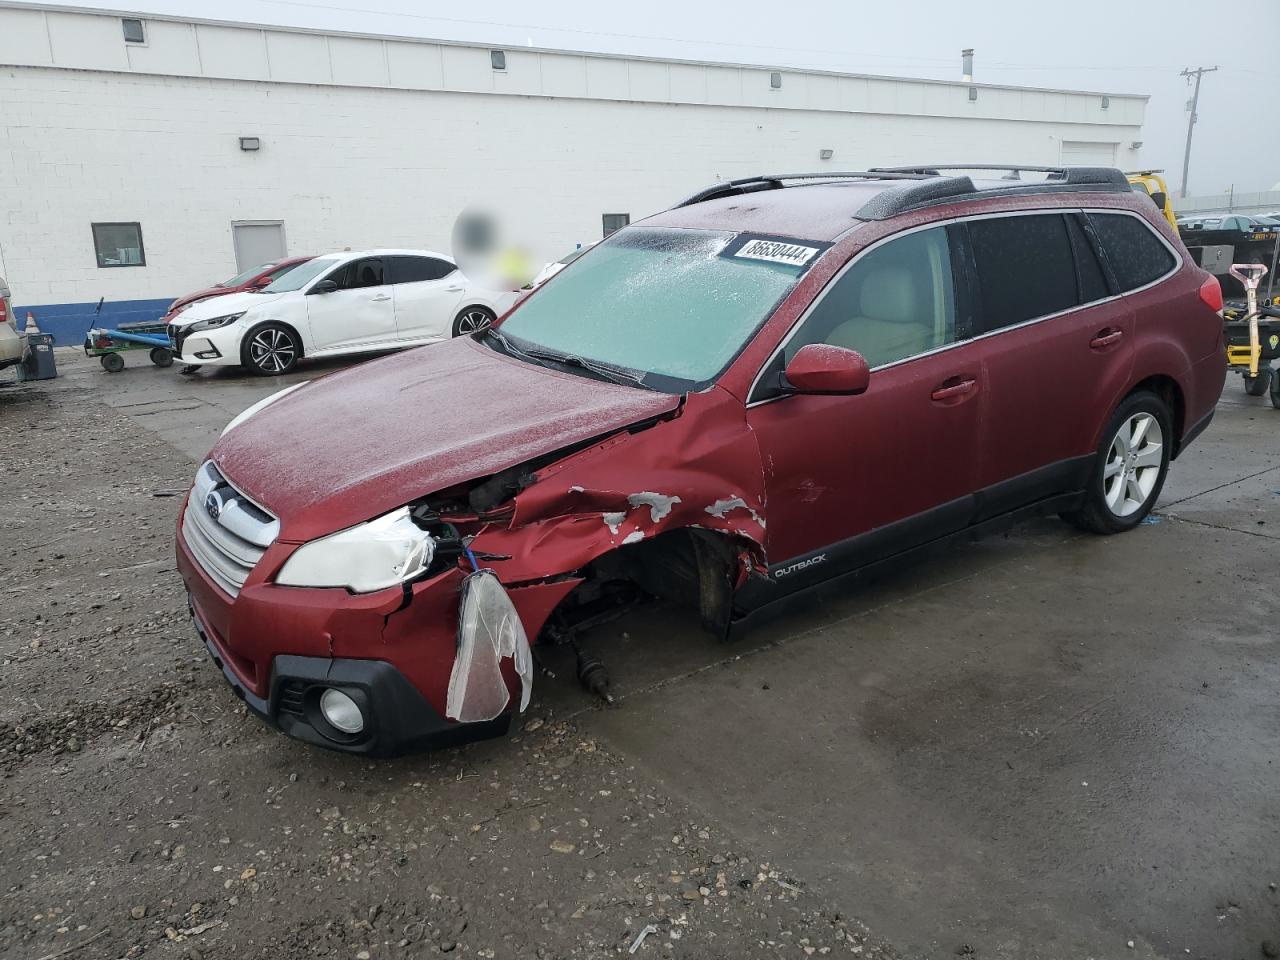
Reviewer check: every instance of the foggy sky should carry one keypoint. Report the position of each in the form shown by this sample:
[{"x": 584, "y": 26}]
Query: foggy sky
[{"x": 1087, "y": 45}]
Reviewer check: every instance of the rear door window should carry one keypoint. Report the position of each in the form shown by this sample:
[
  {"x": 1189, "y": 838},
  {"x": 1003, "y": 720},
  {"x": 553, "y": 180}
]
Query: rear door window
[
  {"x": 417, "y": 269},
  {"x": 1025, "y": 268},
  {"x": 1136, "y": 254}
]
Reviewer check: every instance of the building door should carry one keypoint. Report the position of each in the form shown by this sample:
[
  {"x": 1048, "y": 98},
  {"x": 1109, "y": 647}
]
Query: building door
[
  {"x": 1089, "y": 153},
  {"x": 257, "y": 242}
]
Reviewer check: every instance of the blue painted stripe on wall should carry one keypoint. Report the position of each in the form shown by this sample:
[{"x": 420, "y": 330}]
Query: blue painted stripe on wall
[{"x": 69, "y": 322}]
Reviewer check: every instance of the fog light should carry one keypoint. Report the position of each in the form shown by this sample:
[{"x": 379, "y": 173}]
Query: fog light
[{"x": 341, "y": 711}]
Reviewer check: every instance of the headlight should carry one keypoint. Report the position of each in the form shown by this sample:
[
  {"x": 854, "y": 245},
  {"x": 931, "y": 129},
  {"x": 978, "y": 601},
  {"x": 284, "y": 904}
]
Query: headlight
[
  {"x": 245, "y": 414},
  {"x": 372, "y": 556},
  {"x": 214, "y": 322}
]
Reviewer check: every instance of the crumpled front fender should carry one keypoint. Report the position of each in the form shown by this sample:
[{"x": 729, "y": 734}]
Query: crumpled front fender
[{"x": 700, "y": 469}]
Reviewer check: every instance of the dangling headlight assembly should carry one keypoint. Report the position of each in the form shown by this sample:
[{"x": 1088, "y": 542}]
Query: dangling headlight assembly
[{"x": 368, "y": 557}]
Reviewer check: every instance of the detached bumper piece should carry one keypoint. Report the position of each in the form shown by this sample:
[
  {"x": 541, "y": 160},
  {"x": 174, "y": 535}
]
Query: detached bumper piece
[{"x": 364, "y": 707}]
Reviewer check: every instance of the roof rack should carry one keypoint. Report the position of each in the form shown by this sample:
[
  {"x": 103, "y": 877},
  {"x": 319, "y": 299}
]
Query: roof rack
[
  {"x": 928, "y": 185},
  {"x": 773, "y": 181},
  {"x": 1060, "y": 174}
]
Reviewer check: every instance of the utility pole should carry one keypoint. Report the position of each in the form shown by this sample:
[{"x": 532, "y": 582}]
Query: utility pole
[{"x": 1198, "y": 72}]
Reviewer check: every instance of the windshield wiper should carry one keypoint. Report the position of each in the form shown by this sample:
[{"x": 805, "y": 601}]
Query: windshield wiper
[{"x": 605, "y": 371}]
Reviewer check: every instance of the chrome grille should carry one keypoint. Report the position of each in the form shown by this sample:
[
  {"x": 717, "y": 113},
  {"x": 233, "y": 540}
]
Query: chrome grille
[{"x": 225, "y": 531}]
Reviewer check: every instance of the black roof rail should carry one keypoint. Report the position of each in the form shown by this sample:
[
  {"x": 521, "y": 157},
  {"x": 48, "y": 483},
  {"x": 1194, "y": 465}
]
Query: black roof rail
[
  {"x": 774, "y": 181},
  {"x": 1060, "y": 174},
  {"x": 922, "y": 193}
]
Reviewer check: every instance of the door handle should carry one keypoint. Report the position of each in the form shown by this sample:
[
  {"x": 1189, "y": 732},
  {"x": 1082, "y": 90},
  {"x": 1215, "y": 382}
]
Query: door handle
[
  {"x": 1105, "y": 338},
  {"x": 379, "y": 298},
  {"x": 453, "y": 289},
  {"x": 953, "y": 389}
]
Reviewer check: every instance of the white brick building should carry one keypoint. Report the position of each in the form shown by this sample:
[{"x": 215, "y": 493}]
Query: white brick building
[{"x": 376, "y": 141}]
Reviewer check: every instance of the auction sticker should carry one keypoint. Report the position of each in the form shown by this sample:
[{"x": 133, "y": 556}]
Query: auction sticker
[{"x": 777, "y": 251}]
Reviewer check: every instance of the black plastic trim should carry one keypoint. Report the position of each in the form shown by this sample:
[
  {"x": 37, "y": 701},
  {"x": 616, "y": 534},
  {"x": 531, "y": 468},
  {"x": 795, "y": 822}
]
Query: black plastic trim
[
  {"x": 963, "y": 516},
  {"x": 1193, "y": 431},
  {"x": 895, "y": 200},
  {"x": 769, "y": 605},
  {"x": 399, "y": 718}
]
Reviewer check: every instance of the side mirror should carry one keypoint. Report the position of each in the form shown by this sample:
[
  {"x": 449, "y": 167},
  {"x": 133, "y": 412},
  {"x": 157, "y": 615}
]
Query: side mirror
[
  {"x": 825, "y": 369},
  {"x": 324, "y": 286},
  {"x": 1159, "y": 198}
]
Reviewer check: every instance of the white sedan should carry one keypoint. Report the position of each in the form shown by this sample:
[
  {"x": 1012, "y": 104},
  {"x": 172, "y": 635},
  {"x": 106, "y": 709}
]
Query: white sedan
[{"x": 337, "y": 304}]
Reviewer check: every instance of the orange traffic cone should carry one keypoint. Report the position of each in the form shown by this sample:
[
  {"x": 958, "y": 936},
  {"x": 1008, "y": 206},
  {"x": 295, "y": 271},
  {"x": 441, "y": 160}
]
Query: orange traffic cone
[{"x": 31, "y": 324}]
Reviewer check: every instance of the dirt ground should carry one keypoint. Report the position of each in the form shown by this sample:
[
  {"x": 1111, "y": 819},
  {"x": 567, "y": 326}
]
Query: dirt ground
[{"x": 143, "y": 813}]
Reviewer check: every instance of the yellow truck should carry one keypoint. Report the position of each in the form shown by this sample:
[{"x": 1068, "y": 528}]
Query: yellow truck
[{"x": 1152, "y": 184}]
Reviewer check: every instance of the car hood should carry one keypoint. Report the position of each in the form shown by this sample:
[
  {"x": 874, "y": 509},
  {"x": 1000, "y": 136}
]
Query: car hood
[
  {"x": 222, "y": 305},
  {"x": 376, "y": 436},
  {"x": 203, "y": 295}
]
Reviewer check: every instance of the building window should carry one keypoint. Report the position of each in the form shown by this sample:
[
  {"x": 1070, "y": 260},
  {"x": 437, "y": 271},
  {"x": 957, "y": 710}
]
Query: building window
[
  {"x": 119, "y": 245},
  {"x": 615, "y": 221},
  {"x": 1106, "y": 103},
  {"x": 775, "y": 80},
  {"x": 498, "y": 58},
  {"x": 135, "y": 31}
]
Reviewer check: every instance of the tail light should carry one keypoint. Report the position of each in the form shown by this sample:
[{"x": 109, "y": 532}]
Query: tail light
[{"x": 1211, "y": 294}]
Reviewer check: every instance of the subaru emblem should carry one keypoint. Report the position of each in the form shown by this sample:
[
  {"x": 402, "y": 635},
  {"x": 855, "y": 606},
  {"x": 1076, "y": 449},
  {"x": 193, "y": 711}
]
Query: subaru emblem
[{"x": 213, "y": 504}]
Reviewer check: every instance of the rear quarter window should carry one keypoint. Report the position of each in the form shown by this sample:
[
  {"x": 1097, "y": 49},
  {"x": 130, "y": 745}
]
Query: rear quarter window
[
  {"x": 1137, "y": 256},
  {"x": 416, "y": 269}
]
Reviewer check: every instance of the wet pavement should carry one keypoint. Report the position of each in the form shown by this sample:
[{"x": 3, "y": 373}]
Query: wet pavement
[{"x": 1041, "y": 745}]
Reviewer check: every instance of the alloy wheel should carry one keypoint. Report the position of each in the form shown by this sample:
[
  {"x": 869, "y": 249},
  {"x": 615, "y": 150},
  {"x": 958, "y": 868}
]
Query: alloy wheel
[
  {"x": 473, "y": 321},
  {"x": 1133, "y": 464},
  {"x": 272, "y": 350}
]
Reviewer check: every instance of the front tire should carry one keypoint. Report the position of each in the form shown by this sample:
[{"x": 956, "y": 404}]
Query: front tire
[
  {"x": 473, "y": 320},
  {"x": 270, "y": 350},
  {"x": 1131, "y": 466}
]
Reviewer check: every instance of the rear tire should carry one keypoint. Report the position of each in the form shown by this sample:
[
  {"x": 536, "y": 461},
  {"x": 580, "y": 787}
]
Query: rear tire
[
  {"x": 1131, "y": 465},
  {"x": 1258, "y": 386},
  {"x": 112, "y": 362},
  {"x": 270, "y": 350},
  {"x": 162, "y": 356},
  {"x": 1275, "y": 391},
  {"x": 472, "y": 320}
]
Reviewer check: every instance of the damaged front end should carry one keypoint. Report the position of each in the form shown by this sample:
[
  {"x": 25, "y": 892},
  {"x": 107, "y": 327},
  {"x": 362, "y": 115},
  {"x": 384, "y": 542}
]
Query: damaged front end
[
  {"x": 663, "y": 510},
  {"x": 416, "y": 630}
]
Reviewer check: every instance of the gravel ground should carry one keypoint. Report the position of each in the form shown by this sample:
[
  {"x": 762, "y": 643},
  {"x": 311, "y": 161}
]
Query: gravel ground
[{"x": 143, "y": 813}]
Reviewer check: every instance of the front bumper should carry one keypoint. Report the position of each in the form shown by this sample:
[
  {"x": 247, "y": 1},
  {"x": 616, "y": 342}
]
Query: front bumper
[
  {"x": 398, "y": 719},
  {"x": 277, "y": 646},
  {"x": 214, "y": 347}
]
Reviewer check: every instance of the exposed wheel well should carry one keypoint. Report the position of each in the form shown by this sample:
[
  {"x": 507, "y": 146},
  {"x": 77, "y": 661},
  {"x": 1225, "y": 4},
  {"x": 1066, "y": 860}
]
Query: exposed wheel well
[
  {"x": 1167, "y": 389},
  {"x": 692, "y": 567}
]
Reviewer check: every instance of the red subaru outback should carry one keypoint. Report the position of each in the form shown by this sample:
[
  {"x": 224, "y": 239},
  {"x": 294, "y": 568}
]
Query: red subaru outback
[{"x": 770, "y": 387}]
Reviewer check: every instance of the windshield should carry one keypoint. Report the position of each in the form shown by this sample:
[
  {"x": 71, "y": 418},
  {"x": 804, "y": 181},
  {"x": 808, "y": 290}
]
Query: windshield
[
  {"x": 674, "y": 305},
  {"x": 300, "y": 276},
  {"x": 242, "y": 278}
]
